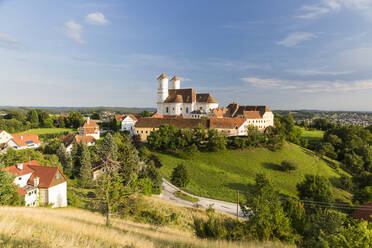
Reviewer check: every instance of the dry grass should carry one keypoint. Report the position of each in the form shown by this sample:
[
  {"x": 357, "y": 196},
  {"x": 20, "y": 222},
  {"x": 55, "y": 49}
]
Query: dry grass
[{"x": 70, "y": 227}]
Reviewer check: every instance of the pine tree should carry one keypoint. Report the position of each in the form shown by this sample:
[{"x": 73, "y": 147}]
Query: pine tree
[
  {"x": 76, "y": 154},
  {"x": 64, "y": 159},
  {"x": 33, "y": 118},
  {"x": 86, "y": 166},
  {"x": 107, "y": 149}
]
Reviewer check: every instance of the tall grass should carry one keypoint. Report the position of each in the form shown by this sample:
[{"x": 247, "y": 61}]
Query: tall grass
[{"x": 67, "y": 228}]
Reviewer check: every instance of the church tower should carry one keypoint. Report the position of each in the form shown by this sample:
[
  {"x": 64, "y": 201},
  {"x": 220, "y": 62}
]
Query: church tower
[
  {"x": 175, "y": 83},
  {"x": 162, "y": 92}
]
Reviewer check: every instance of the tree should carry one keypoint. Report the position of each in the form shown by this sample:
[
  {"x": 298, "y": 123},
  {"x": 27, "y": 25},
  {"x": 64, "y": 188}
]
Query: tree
[
  {"x": 86, "y": 166},
  {"x": 8, "y": 190},
  {"x": 107, "y": 149},
  {"x": 180, "y": 176},
  {"x": 75, "y": 155},
  {"x": 75, "y": 120},
  {"x": 33, "y": 118},
  {"x": 145, "y": 113},
  {"x": 315, "y": 188},
  {"x": 65, "y": 160},
  {"x": 95, "y": 116},
  {"x": 216, "y": 141},
  {"x": 295, "y": 210},
  {"x": 266, "y": 218},
  {"x": 287, "y": 165},
  {"x": 363, "y": 195}
]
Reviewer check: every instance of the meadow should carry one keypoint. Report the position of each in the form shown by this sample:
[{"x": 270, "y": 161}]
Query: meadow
[
  {"x": 40, "y": 131},
  {"x": 74, "y": 228},
  {"x": 313, "y": 136},
  {"x": 219, "y": 175}
]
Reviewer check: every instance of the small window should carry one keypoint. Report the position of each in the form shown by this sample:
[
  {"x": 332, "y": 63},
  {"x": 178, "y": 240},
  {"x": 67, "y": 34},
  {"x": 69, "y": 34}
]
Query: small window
[
  {"x": 201, "y": 108},
  {"x": 146, "y": 131},
  {"x": 141, "y": 131},
  {"x": 187, "y": 110},
  {"x": 19, "y": 178},
  {"x": 166, "y": 110},
  {"x": 181, "y": 109},
  {"x": 58, "y": 176}
]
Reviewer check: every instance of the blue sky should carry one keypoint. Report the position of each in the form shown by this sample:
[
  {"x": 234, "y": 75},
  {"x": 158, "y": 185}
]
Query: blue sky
[{"x": 287, "y": 54}]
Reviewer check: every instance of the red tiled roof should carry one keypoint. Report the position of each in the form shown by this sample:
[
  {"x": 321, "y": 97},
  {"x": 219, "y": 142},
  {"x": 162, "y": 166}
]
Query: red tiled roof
[
  {"x": 208, "y": 98},
  {"x": 46, "y": 175},
  {"x": 122, "y": 117},
  {"x": 90, "y": 124},
  {"x": 188, "y": 95},
  {"x": 252, "y": 115},
  {"x": 364, "y": 212},
  {"x": 90, "y": 130},
  {"x": 84, "y": 139},
  {"x": 15, "y": 171},
  {"x": 226, "y": 123},
  {"x": 150, "y": 122},
  {"x": 21, "y": 139}
]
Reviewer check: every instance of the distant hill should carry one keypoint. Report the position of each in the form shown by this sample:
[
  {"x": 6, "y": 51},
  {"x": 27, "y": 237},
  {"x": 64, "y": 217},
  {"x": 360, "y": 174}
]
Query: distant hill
[
  {"x": 62, "y": 110},
  {"x": 219, "y": 174}
]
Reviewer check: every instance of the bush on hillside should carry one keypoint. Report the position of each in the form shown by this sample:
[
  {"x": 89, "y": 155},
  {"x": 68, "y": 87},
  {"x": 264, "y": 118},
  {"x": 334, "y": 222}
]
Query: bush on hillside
[
  {"x": 288, "y": 166},
  {"x": 180, "y": 176}
]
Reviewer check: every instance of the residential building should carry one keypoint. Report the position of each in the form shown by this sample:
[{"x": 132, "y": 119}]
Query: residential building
[
  {"x": 177, "y": 101},
  {"x": 90, "y": 128},
  {"x": 70, "y": 139},
  {"x": 40, "y": 185},
  {"x": 23, "y": 141},
  {"x": 127, "y": 122},
  {"x": 4, "y": 137},
  {"x": 364, "y": 212}
]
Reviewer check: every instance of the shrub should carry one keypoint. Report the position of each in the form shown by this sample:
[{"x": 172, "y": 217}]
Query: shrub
[
  {"x": 180, "y": 176},
  {"x": 91, "y": 194},
  {"x": 153, "y": 217},
  {"x": 156, "y": 160},
  {"x": 346, "y": 182},
  {"x": 287, "y": 165}
]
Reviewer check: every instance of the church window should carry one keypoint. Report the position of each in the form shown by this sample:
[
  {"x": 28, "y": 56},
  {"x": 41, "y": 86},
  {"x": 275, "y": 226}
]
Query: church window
[
  {"x": 201, "y": 108},
  {"x": 166, "y": 109},
  {"x": 187, "y": 110}
]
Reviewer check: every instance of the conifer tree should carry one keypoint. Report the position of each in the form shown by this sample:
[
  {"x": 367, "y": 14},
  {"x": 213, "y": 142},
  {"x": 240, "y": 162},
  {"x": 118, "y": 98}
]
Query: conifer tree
[
  {"x": 107, "y": 149},
  {"x": 64, "y": 159},
  {"x": 86, "y": 166}
]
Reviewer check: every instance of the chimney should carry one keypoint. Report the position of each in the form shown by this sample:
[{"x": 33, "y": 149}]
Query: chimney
[
  {"x": 36, "y": 181},
  {"x": 21, "y": 137},
  {"x": 20, "y": 166}
]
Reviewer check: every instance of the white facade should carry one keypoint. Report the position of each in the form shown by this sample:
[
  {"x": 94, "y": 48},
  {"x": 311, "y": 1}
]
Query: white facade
[
  {"x": 14, "y": 145},
  {"x": 32, "y": 193},
  {"x": 4, "y": 137},
  {"x": 127, "y": 124},
  {"x": 57, "y": 195},
  {"x": 178, "y": 108}
]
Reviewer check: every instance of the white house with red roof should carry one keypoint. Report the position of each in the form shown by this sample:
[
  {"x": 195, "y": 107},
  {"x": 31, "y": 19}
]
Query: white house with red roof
[
  {"x": 23, "y": 141},
  {"x": 40, "y": 185},
  {"x": 70, "y": 139},
  {"x": 127, "y": 122},
  {"x": 90, "y": 128},
  {"x": 4, "y": 137}
]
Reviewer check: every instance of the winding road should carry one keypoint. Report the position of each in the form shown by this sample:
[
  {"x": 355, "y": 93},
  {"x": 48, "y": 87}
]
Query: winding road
[{"x": 220, "y": 206}]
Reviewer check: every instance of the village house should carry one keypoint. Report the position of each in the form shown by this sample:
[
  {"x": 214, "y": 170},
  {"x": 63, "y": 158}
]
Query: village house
[
  {"x": 40, "y": 185},
  {"x": 259, "y": 116},
  {"x": 23, "y": 141},
  {"x": 177, "y": 101},
  {"x": 70, "y": 139},
  {"x": 4, "y": 137},
  {"x": 90, "y": 128},
  {"x": 127, "y": 122}
]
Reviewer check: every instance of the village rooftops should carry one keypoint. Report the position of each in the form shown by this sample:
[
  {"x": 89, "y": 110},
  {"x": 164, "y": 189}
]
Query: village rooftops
[
  {"x": 149, "y": 122},
  {"x": 122, "y": 117},
  {"x": 25, "y": 139},
  {"x": 188, "y": 96}
]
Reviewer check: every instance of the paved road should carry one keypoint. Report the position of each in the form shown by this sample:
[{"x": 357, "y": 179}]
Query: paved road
[{"x": 221, "y": 206}]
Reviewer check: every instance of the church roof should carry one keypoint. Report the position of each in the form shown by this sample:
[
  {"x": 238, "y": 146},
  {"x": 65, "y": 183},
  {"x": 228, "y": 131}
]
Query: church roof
[
  {"x": 175, "y": 78},
  {"x": 208, "y": 98},
  {"x": 162, "y": 76},
  {"x": 187, "y": 95}
]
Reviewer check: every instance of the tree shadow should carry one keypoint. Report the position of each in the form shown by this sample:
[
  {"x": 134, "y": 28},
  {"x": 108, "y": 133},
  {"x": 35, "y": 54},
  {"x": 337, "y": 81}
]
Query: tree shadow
[
  {"x": 12, "y": 241},
  {"x": 272, "y": 166}
]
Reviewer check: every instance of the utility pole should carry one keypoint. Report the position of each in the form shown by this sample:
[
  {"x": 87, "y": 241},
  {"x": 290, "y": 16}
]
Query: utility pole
[{"x": 237, "y": 205}]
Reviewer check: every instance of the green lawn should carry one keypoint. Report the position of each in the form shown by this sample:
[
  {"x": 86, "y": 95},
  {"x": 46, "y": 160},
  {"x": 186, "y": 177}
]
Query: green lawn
[
  {"x": 312, "y": 136},
  {"x": 218, "y": 175},
  {"x": 48, "y": 130}
]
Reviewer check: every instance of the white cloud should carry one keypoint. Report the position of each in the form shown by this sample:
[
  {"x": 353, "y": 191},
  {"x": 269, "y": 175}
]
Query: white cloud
[
  {"x": 317, "y": 72},
  {"x": 332, "y": 6},
  {"x": 8, "y": 40},
  {"x": 96, "y": 19},
  {"x": 73, "y": 30},
  {"x": 294, "y": 39},
  {"x": 309, "y": 86}
]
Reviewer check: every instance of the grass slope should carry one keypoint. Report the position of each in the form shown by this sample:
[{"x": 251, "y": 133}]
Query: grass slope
[
  {"x": 74, "y": 228},
  {"x": 314, "y": 136},
  {"x": 218, "y": 175},
  {"x": 39, "y": 131}
]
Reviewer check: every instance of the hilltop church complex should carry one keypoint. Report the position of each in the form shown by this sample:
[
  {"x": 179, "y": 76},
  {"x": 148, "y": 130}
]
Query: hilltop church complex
[{"x": 184, "y": 108}]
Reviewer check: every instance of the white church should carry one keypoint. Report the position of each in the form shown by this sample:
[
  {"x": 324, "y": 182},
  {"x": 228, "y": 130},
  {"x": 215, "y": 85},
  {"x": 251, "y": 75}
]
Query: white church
[{"x": 185, "y": 102}]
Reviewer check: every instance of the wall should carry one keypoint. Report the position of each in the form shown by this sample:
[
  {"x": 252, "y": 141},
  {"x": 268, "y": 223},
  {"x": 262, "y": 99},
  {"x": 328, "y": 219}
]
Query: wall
[
  {"x": 58, "y": 195},
  {"x": 32, "y": 198},
  {"x": 143, "y": 132},
  {"x": 22, "y": 180}
]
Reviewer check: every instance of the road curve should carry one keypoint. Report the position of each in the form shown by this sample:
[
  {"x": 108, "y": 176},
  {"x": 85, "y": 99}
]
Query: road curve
[{"x": 220, "y": 206}]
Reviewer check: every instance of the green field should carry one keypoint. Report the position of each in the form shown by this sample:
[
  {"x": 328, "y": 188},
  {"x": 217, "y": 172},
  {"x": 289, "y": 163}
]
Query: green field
[
  {"x": 312, "y": 136},
  {"x": 48, "y": 130},
  {"x": 218, "y": 175}
]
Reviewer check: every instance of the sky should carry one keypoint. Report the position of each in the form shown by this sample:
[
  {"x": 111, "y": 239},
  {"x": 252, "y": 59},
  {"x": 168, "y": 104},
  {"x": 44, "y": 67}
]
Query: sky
[{"x": 287, "y": 54}]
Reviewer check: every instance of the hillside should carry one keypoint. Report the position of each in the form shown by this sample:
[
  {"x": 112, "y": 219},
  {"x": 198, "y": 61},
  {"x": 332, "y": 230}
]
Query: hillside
[
  {"x": 73, "y": 228},
  {"x": 218, "y": 175}
]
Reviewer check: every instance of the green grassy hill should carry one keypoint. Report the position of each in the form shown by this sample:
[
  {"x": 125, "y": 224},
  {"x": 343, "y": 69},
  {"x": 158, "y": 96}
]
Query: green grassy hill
[
  {"x": 218, "y": 175},
  {"x": 314, "y": 137}
]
